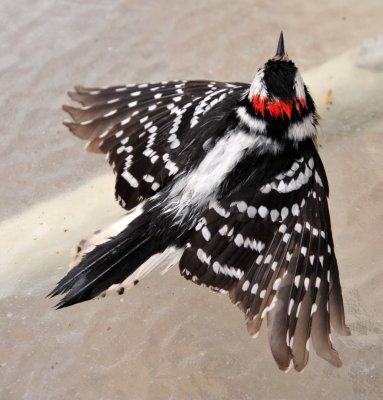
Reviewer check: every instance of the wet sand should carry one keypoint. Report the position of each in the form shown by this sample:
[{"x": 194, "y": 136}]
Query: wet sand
[{"x": 167, "y": 338}]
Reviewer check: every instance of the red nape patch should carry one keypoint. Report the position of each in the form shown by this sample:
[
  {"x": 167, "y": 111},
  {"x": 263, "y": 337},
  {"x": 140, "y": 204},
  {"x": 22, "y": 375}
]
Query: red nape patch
[
  {"x": 300, "y": 102},
  {"x": 277, "y": 108},
  {"x": 259, "y": 104}
]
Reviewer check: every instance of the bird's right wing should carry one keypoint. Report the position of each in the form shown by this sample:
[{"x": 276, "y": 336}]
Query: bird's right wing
[
  {"x": 271, "y": 248},
  {"x": 147, "y": 130}
]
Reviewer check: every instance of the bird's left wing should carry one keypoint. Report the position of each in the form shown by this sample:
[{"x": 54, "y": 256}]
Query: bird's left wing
[
  {"x": 144, "y": 129},
  {"x": 271, "y": 248}
]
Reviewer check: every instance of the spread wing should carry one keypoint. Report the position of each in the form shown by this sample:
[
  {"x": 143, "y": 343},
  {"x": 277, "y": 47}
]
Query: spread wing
[
  {"x": 146, "y": 129},
  {"x": 271, "y": 248}
]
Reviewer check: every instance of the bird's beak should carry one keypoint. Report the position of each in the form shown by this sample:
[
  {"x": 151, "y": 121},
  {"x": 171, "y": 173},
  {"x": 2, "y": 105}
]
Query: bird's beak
[{"x": 281, "y": 47}]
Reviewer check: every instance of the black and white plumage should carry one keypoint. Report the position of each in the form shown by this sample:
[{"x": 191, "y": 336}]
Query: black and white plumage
[{"x": 224, "y": 179}]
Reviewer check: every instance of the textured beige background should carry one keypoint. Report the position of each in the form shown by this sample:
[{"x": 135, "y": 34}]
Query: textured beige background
[{"x": 169, "y": 339}]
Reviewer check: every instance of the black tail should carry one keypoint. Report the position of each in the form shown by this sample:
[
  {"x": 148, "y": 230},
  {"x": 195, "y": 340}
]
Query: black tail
[{"x": 109, "y": 263}]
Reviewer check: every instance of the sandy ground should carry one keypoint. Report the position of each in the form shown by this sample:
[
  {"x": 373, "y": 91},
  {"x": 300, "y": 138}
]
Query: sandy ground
[{"x": 167, "y": 338}]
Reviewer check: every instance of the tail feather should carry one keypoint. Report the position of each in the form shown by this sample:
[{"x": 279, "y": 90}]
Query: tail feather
[
  {"x": 100, "y": 236},
  {"x": 108, "y": 264}
]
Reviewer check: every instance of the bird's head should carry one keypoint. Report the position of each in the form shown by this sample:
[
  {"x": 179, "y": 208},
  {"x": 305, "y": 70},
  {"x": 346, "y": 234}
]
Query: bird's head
[{"x": 279, "y": 96}]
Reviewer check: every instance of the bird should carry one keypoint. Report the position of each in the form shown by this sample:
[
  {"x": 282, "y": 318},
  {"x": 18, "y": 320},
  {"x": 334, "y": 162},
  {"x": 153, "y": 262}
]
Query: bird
[{"x": 225, "y": 180}]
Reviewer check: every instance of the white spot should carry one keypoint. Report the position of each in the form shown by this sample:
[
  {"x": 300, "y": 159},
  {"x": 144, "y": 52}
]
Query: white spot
[
  {"x": 177, "y": 99},
  {"x": 251, "y": 211},
  {"x": 328, "y": 276},
  {"x": 282, "y": 187},
  {"x": 288, "y": 256},
  {"x": 104, "y": 134},
  {"x": 152, "y": 107},
  {"x": 152, "y": 129},
  {"x": 266, "y": 188},
  {"x": 314, "y": 307},
  {"x": 295, "y": 209},
  {"x": 284, "y": 213},
  {"x": 216, "y": 267},
  {"x": 154, "y": 159},
  {"x": 254, "y": 289},
  {"x": 306, "y": 283},
  {"x": 255, "y": 335},
  {"x": 223, "y": 230},
  {"x": 206, "y": 233},
  {"x": 245, "y": 285},
  {"x": 238, "y": 240},
  {"x": 86, "y": 122},
  {"x": 317, "y": 282},
  {"x": 277, "y": 284},
  {"x": 298, "y": 227},
  {"x": 312, "y": 258},
  {"x": 157, "y": 95},
  {"x": 242, "y": 206},
  {"x": 291, "y": 304},
  {"x": 259, "y": 259},
  {"x": 132, "y": 104},
  {"x": 202, "y": 256},
  {"x": 220, "y": 210},
  {"x": 298, "y": 309},
  {"x": 175, "y": 144},
  {"x": 295, "y": 166},
  {"x": 274, "y": 214},
  {"x": 321, "y": 260},
  {"x": 148, "y": 178},
  {"x": 155, "y": 186},
  {"x": 286, "y": 237},
  {"x": 112, "y": 101},
  {"x": 130, "y": 179},
  {"x": 144, "y": 119},
  {"x": 262, "y": 294},
  {"x": 125, "y": 121},
  {"x": 120, "y": 149},
  {"x": 263, "y": 211},
  {"x": 274, "y": 265},
  {"x": 268, "y": 259},
  {"x": 297, "y": 280},
  {"x": 318, "y": 179},
  {"x": 202, "y": 222},
  {"x": 304, "y": 250},
  {"x": 282, "y": 228},
  {"x": 120, "y": 133},
  {"x": 311, "y": 163},
  {"x": 134, "y": 94}
]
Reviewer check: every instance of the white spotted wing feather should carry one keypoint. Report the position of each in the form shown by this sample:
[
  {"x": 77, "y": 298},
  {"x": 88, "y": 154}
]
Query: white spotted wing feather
[
  {"x": 144, "y": 129},
  {"x": 271, "y": 249}
]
